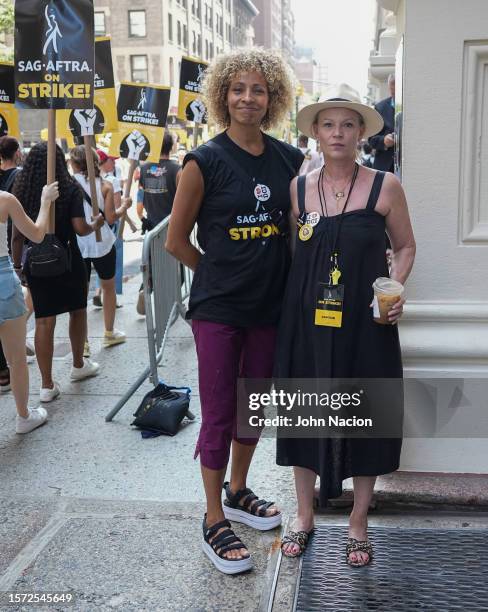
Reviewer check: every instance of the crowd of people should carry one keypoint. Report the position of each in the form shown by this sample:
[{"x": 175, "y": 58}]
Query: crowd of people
[
  {"x": 275, "y": 222},
  {"x": 25, "y": 203}
]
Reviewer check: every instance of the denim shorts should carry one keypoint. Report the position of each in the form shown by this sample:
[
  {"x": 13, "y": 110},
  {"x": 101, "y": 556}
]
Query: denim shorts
[{"x": 12, "y": 304}]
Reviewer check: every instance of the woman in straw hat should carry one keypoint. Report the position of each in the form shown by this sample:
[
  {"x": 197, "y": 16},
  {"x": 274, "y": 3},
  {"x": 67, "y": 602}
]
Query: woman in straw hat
[
  {"x": 236, "y": 187},
  {"x": 327, "y": 328}
]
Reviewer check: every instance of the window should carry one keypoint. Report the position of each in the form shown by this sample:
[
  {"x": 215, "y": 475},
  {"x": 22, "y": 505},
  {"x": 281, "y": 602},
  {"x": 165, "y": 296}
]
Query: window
[
  {"x": 194, "y": 43},
  {"x": 227, "y": 5},
  {"x": 199, "y": 46},
  {"x": 171, "y": 72},
  {"x": 138, "y": 68},
  {"x": 178, "y": 28},
  {"x": 228, "y": 32},
  {"x": 211, "y": 51},
  {"x": 137, "y": 24},
  {"x": 206, "y": 50},
  {"x": 170, "y": 26},
  {"x": 100, "y": 29},
  {"x": 185, "y": 36}
]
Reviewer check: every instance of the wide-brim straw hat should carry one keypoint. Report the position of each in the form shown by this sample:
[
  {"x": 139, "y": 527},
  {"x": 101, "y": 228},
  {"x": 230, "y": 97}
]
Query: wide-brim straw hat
[{"x": 340, "y": 96}]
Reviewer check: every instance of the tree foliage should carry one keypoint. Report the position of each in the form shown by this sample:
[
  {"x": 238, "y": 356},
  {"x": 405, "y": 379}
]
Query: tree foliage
[{"x": 7, "y": 16}]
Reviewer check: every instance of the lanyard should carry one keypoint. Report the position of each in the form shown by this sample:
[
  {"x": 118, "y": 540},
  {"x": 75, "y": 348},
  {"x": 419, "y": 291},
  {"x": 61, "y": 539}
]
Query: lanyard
[{"x": 323, "y": 201}]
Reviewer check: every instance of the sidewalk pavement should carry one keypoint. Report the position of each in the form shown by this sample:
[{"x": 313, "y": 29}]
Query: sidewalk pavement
[{"x": 91, "y": 508}]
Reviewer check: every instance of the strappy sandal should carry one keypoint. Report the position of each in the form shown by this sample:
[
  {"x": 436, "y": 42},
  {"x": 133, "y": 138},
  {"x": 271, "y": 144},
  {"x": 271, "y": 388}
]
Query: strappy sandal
[
  {"x": 222, "y": 543},
  {"x": 251, "y": 512},
  {"x": 354, "y": 545},
  {"x": 300, "y": 538}
]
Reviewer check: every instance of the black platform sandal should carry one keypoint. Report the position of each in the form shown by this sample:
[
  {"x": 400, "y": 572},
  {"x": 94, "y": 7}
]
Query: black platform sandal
[
  {"x": 354, "y": 545},
  {"x": 251, "y": 512},
  {"x": 215, "y": 547}
]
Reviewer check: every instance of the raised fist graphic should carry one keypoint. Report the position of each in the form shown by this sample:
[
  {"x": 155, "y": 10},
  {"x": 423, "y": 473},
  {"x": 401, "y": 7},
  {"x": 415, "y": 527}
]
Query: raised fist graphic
[
  {"x": 86, "y": 119},
  {"x": 198, "y": 109},
  {"x": 136, "y": 143}
]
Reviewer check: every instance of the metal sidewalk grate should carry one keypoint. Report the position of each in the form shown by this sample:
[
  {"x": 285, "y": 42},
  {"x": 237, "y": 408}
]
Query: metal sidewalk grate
[{"x": 413, "y": 569}]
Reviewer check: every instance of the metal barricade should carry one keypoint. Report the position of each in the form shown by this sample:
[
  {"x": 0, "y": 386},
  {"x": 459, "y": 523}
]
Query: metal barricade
[{"x": 164, "y": 294}]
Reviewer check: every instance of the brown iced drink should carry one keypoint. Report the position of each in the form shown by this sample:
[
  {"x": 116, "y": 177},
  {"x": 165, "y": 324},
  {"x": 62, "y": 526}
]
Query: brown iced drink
[{"x": 387, "y": 292}]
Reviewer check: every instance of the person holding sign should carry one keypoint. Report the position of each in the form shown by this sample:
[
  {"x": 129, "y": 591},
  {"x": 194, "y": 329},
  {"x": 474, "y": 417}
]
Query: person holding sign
[
  {"x": 236, "y": 188},
  {"x": 12, "y": 305},
  {"x": 327, "y": 329},
  {"x": 100, "y": 254},
  {"x": 65, "y": 292}
]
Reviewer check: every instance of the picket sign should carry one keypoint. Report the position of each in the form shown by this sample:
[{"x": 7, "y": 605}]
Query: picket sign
[
  {"x": 127, "y": 188},
  {"x": 51, "y": 161},
  {"x": 195, "y": 135},
  {"x": 90, "y": 165}
]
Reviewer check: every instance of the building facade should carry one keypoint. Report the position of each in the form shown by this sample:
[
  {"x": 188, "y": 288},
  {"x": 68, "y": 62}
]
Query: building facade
[
  {"x": 150, "y": 38},
  {"x": 310, "y": 72},
  {"x": 275, "y": 26},
  {"x": 443, "y": 79}
]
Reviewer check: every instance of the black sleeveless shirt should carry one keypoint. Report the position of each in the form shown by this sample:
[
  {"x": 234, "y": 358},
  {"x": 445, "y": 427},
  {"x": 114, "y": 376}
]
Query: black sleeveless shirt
[{"x": 241, "y": 277}]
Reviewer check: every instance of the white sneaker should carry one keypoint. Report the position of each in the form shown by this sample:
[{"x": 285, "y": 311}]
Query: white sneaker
[
  {"x": 47, "y": 395},
  {"x": 36, "y": 418},
  {"x": 113, "y": 337},
  {"x": 90, "y": 368}
]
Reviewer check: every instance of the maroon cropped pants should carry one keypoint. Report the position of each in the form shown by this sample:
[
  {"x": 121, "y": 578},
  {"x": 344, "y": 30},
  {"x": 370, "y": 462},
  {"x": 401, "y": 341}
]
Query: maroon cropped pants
[{"x": 226, "y": 353}]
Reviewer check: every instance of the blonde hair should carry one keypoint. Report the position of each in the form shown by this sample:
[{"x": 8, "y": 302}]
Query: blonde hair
[{"x": 270, "y": 64}]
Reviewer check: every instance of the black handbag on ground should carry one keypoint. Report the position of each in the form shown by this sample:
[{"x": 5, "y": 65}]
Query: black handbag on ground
[
  {"x": 48, "y": 258},
  {"x": 163, "y": 409}
]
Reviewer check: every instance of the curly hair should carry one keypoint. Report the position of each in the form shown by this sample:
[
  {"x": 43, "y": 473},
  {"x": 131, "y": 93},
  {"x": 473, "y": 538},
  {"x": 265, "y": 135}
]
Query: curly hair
[
  {"x": 32, "y": 178},
  {"x": 270, "y": 64}
]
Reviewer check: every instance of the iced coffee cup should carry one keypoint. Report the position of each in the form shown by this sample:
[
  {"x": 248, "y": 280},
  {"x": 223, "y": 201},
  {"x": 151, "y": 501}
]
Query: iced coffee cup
[{"x": 387, "y": 292}]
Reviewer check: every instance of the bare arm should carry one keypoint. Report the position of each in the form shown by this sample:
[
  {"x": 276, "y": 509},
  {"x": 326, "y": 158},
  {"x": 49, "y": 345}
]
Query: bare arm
[
  {"x": 186, "y": 206},
  {"x": 82, "y": 228},
  {"x": 392, "y": 203},
  {"x": 13, "y": 209},
  {"x": 399, "y": 229},
  {"x": 108, "y": 202}
]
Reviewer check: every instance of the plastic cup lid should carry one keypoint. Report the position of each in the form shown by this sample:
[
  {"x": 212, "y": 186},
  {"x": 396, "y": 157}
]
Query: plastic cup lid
[{"x": 388, "y": 286}]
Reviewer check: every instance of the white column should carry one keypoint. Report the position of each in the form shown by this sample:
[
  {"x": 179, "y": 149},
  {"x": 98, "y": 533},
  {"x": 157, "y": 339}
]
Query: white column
[{"x": 445, "y": 173}]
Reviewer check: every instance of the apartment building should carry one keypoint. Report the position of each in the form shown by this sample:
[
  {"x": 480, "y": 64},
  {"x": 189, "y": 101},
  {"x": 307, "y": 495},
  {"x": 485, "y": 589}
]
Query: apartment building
[
  {"x": 275, "y": 26},
  {"x": 150, "y": 38}
]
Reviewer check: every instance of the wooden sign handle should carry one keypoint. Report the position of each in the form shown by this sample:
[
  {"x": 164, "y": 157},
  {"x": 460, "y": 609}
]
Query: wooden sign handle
[
  {"x": 90, "y": 165},
  {"x": 127, "y": 188},
  {"x": 51, "y": 162},
  {"x": 195, "y": 135}
]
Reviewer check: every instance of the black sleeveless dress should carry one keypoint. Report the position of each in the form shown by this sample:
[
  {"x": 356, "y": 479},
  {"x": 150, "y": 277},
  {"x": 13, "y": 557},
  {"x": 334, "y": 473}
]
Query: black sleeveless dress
[{"x": 361, "y": 348}]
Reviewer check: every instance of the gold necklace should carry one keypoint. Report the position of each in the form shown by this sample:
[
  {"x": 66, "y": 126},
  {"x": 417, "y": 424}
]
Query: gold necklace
[{"x": 342, "y": 192}]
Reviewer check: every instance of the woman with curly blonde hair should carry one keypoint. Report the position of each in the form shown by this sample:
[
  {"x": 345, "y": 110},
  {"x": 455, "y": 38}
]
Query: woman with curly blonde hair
[{"x": 236, "y": 188}]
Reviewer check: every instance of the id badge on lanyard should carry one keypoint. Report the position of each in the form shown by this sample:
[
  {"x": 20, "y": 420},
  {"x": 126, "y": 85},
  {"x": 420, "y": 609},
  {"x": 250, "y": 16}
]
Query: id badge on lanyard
[
  {"x": 330, "y": 298},
  {"x": 328, "y": 308}
]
